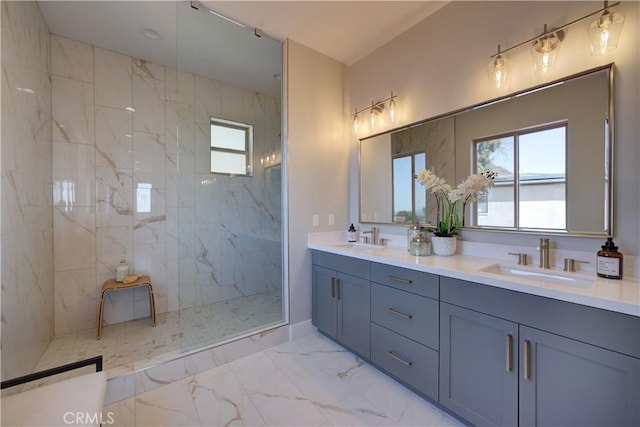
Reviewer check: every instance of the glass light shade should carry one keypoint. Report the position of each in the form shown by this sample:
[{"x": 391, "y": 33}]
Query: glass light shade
[
  {"x": 356, "y": 126},
  {"x": 393, "y": 110},
  {"x": 604, "y": 32},
  {"x": 498, "y": 73},
  {"x": 373, "y": 118},
  {"x": 545, "y": 52}
]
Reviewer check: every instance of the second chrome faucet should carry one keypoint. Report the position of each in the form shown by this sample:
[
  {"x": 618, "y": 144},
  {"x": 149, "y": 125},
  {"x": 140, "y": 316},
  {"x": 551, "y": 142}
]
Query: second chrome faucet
[{"x": 543, "y": 248}]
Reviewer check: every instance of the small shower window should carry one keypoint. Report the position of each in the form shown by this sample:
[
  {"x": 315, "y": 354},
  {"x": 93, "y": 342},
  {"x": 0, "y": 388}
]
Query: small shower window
[{"x": 231, "y": 147}]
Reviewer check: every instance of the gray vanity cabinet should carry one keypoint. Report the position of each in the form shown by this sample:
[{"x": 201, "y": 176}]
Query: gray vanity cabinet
[
  {"x": 499, "y": 367},
  {"x": 404, "y": 326},
  {"x": 565, "y": 382},
  {"x": 341, "y": 300},
  {"x": 325, "y": 307},
  {"x": 478, "y": 366}
]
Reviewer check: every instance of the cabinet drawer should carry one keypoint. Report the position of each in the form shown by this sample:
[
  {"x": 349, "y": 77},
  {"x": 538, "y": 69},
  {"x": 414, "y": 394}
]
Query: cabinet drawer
[
  {"x": 413, "y": 316},
  {"x": 353, "y": 266},
  {"x": 603, "y": 328},
  {"x": 416, "y": 282},
  {"x": 407, "y": 360}
]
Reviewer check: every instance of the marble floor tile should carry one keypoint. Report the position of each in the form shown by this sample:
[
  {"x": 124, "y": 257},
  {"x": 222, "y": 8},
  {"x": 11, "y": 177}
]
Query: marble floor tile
[
  {"x": 120, "y": 414},
  {"x": 220, "y": 399},
  {"x": 136, "y": 344},
  {"x": 170, "y": 405},
  {"x": 281, "y": 403},
  {"x": 282, "y": 386}
]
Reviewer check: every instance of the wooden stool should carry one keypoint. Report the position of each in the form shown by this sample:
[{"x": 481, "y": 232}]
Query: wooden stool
[{"x": 112, "y": 285}]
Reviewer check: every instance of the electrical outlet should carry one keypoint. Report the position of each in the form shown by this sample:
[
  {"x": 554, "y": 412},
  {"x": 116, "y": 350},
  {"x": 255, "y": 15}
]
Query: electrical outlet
[
  {"x": 332, "y": 219},
  {"x": 316, "y": 220}
]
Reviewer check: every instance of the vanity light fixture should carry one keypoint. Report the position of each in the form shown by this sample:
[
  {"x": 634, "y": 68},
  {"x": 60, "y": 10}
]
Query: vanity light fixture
[
  {"x": 497, "y": 71},
  {"x": 393, "y": 108},
  {"x": 373, "y": 115},
  {"x": 375, "y": 111},
  {"x": 603, "y": 34},
  {"x": 605, "y": 31},
  {"x": 545, "y": 50}
]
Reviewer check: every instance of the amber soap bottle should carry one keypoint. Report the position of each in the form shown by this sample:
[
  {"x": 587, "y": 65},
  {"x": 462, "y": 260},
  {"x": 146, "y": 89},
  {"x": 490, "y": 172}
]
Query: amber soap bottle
[{"x": 609, "y": 261}]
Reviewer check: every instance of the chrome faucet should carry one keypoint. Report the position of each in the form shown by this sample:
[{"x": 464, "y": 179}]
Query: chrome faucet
[
  {"x": 522, "y": 258},
  {"x": 543, "y": 248},
  {"x": 570, "y": 264},
  {"x": 374, "y": 235}
]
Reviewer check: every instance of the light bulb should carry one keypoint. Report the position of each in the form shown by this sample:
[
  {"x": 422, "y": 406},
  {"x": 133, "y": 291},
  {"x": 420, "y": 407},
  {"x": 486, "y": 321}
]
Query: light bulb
[
  {"x": 545, "y": 62},
  {"x": 356, "y": 125},
  {"x": 604, "y": 41},
  {"x": 497, "y": 71},
  {"x": 392, "y": 109},
  {"x": 373, "y": 119}
]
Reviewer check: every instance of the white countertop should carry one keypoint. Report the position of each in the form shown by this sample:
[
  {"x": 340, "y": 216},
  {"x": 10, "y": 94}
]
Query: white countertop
[{"x": 622, "y": 296}]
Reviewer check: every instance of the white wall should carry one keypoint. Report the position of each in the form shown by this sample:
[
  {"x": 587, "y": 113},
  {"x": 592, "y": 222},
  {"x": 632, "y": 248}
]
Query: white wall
[
  {"x": 439, "y": 65},
  {"x": 317, "y": 160}
]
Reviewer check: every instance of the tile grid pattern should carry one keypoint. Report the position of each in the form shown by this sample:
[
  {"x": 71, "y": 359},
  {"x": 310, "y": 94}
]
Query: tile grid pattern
[
  {"x": 308, "y": 382},
  {"x": 135, "y": 344},
  {"x": 201, "y": 238},
  {"x": 27, "y": 224}
]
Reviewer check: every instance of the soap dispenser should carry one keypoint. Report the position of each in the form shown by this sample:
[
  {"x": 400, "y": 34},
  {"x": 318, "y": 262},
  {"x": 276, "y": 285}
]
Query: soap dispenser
[
  {"x": 609, "y": 261},
  {"x": 352, "y": 234}
]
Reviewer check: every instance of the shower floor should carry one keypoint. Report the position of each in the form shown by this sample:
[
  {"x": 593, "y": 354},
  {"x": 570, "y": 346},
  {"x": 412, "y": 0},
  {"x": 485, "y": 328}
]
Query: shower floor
[{"x": 136, "y": 344}]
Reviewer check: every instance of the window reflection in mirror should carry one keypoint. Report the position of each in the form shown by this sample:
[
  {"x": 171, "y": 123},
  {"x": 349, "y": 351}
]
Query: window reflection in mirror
[
  {"x": 408, "y": 195},
  {"x": 535, "y": 196},
  {"x": 577, "y": 171}
]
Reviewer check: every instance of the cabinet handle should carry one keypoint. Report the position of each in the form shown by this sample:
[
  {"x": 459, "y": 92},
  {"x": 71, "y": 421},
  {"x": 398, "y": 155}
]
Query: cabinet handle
[
  {"x": 399, "y": 313},
  {"x": 400, "y": 280},
  {"x": 338, "y": 287},
  {"x": 509, "y": 353},
  {"x": 399, "y": 359},
  {"x": 333, "y": 287},
  {"x": 527, "y": 359}
]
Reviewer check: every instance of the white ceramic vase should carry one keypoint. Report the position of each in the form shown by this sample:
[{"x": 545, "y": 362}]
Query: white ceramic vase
[{"x": 444, "y": 246}]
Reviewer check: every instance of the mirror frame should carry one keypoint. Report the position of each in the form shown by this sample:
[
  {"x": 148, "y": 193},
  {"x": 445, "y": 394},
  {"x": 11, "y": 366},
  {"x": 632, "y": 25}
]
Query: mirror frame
[{"x": 609, "y": 139}]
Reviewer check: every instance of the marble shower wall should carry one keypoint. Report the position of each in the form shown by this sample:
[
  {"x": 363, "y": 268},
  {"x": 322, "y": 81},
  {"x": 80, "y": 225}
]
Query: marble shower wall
[
  {"x": 229, "y": 227},
  {"x": 27, "y": 225},
  {"x": 437, "y": 140},
  {"x": 135, "y": 185}
]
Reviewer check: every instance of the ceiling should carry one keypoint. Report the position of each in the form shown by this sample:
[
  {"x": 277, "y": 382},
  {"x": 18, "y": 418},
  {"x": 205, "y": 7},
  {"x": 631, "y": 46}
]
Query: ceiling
[
  {"x": 202, "y": 43},
  {"x": 344, "y": 30}
]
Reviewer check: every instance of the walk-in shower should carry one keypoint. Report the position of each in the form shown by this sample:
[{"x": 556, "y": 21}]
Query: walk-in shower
[{"x": 143, "y": 131}]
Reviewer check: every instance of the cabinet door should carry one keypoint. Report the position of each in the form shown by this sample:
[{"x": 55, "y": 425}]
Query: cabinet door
[
  {"x": 354, "y": 313},
  {"x": 564, "y": 382},
  {"x": 478, "y": 366},
  {"x": 324, "y": 308}
]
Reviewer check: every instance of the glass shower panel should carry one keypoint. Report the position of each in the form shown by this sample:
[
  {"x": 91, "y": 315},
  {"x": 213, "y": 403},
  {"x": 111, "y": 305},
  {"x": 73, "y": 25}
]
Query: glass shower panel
[{"x": 228, "y": 238}]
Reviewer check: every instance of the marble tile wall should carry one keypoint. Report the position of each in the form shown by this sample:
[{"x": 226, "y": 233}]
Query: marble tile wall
[
  {"x": 132, "y": 181},
  {"x": 437, "y": 140},
  {"x": 27, "y": 224}
]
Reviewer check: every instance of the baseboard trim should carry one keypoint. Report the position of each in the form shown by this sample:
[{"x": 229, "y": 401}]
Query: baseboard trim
[{"x": 301, "y": 329}]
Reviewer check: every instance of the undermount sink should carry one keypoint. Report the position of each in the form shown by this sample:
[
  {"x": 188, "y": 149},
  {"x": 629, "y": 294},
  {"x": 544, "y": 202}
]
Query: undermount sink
[
  {"x": 359, "y": 246},
  {"x": 555, "y": 277}
]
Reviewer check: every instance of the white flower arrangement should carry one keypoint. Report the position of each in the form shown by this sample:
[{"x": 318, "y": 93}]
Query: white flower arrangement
[{"x": 451, "y": 202}]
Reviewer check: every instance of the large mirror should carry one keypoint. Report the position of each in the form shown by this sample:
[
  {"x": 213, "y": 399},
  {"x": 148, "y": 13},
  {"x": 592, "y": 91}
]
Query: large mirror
[{"x": 550, "y": 146}]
